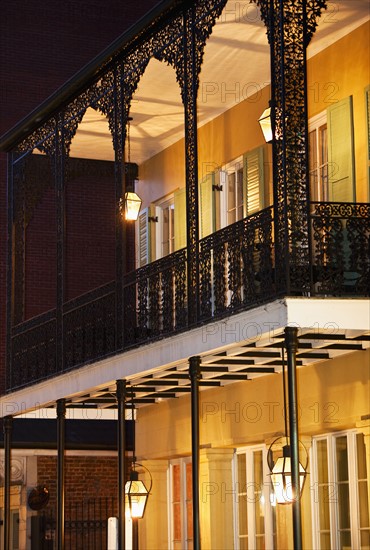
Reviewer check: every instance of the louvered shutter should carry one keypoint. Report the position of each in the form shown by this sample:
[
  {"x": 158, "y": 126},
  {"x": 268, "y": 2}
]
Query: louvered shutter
[
  {"x": 253, "y": 181},
  {"x": 143, "y": 244},
  {"x": 206, "y": 205},
  {"x": 340, "y": 152},
  {"x": 367, "y": 99},
  {"x": 180, "y": 218}
]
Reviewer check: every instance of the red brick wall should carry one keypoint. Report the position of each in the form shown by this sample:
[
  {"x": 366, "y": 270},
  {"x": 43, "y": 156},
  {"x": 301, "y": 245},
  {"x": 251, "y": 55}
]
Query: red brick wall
[
  {"x": 90, "y": 233},
  {"x": 41, "y": 47},
  {"x": 85, "y": 477}
]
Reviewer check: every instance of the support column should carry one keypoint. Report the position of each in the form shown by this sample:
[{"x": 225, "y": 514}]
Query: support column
[
  {"x": 291, "y": 342},
  {"x": 191, "y": 163},
  {"x": 61, "y": 416},
  {"x": 7, "y": 427},
  {"x": 218, "y": 494},
  {"x": 60, "y": 153},
  {"x": 290, "y": 27},
  {"x": 121, "y": 435},
  {"x": 195, "y": 376}
]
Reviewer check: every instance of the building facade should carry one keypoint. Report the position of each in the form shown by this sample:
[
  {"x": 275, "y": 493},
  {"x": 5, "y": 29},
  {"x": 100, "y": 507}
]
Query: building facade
[{"x": 234, "y": 312}]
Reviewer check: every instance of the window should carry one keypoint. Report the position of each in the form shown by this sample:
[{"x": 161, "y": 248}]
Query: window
[
  {"x": 318, "y": 158},
  {"x": 161, "y": 228},
  {"x": 254, "y": 511},
  {"x": 233, "y": 179},
  {"x": 233, "y": 192},
  {"x": 340, "y": 492},
  {"x": 14, "y": 530},
  {"x": 181, "y": 511},
  {"x": 331, "y": 159},
  {"x": 167, "y": 227}
]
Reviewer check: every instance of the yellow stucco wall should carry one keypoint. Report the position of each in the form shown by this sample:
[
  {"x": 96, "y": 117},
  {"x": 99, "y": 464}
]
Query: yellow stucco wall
[
  {"x": 343, "y": 69},
  {"x": 333, "y": 395},
  {"x": 340, "y": 70}
]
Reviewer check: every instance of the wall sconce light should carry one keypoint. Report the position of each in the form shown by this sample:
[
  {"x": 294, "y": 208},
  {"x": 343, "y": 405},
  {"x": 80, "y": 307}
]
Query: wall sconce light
[
  {"x": 266, "y": 125},
  {"x": 130, "y": 206}
]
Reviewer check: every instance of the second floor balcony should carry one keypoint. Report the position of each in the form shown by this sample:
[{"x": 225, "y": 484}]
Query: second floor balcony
[{"x": 227, "y": 223}]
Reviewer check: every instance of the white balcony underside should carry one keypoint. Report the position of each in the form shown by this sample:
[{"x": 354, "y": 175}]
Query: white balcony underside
[{"x": 344, "y": 321}]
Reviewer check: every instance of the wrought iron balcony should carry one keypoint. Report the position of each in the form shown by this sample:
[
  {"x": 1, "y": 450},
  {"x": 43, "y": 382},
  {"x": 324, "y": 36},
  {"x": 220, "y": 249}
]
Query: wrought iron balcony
[{"x": 237, "y": 271}]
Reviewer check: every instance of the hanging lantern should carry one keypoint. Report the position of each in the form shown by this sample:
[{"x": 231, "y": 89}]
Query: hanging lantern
[
  {"x": 130, "y": 206},
  {"x": 281, "y": 476},
  {"x": 266, "y": 125},
  {"x": 136, "y": 496}
]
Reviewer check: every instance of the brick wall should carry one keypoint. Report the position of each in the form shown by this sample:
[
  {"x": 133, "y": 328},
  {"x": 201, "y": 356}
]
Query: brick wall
[
  {"x": 40, "y": 49},
  {"x": 85, "y": 477}
]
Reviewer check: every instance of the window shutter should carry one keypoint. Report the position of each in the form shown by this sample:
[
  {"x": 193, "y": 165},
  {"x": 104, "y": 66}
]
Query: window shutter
[
  {"x": 340, "y": 152},
  {"x": 206, "y": 205},
  {"x": 180, "y": 218},
  {"x": 253, "y": 181},
  {"x": 367, "y": 97},
  {"x": 143, "y": 245}
]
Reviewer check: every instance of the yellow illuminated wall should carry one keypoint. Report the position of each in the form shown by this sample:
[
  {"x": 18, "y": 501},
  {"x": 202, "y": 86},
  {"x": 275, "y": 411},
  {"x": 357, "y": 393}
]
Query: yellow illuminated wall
[{"x": 340, "y": 70}]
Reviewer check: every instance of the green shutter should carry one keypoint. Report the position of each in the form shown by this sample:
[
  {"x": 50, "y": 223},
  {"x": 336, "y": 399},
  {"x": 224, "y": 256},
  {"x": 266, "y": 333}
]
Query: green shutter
[
  {"x": 180, "y": 218},
  {"x": 143, "y": 238},
  {"x": 340, "y": 152},
  {"x": 206, "y": 205},
  {"x": 253, "y": 181},
  {"x": 367, "y": 98}
]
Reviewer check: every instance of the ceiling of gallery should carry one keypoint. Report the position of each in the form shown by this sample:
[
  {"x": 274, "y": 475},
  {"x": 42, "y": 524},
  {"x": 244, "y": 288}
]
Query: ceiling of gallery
[{"x": 236, "y": 66}]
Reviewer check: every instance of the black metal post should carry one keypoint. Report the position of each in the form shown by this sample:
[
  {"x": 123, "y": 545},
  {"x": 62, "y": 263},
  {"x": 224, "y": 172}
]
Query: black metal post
[
  {"x": 7, "y": 427},
  {"x": 190, "y": 90},
  {"x": 61, "y": 417},
  {"x": 135, "y": 534},
  {"x": 121, "y": 401},
  {"x": 195, "y": 376},
  {"x": 291, "y": 342}
]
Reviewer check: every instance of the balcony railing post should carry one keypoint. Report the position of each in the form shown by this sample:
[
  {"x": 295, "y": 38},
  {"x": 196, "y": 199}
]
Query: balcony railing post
[{"x": 290, "y": 27}]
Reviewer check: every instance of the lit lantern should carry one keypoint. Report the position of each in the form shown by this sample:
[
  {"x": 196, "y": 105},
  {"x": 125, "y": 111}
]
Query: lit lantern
[
  {"x": 136, "y": 496},
  {"x": 281, "y": 477},
  {"x": 130, "y": 206},
  {"x": 266, "y": 125}
]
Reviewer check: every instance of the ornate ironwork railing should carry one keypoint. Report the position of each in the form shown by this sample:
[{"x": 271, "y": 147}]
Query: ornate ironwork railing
[
  {"x": 236, "y": 266},
  {"x": 236, "y": 271},
  {"x": 33, "y": 350},
  {"x": 155, "y": 301},
  {"x": 341, "y": 248},
  {"x": 89, "y": 326}
]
